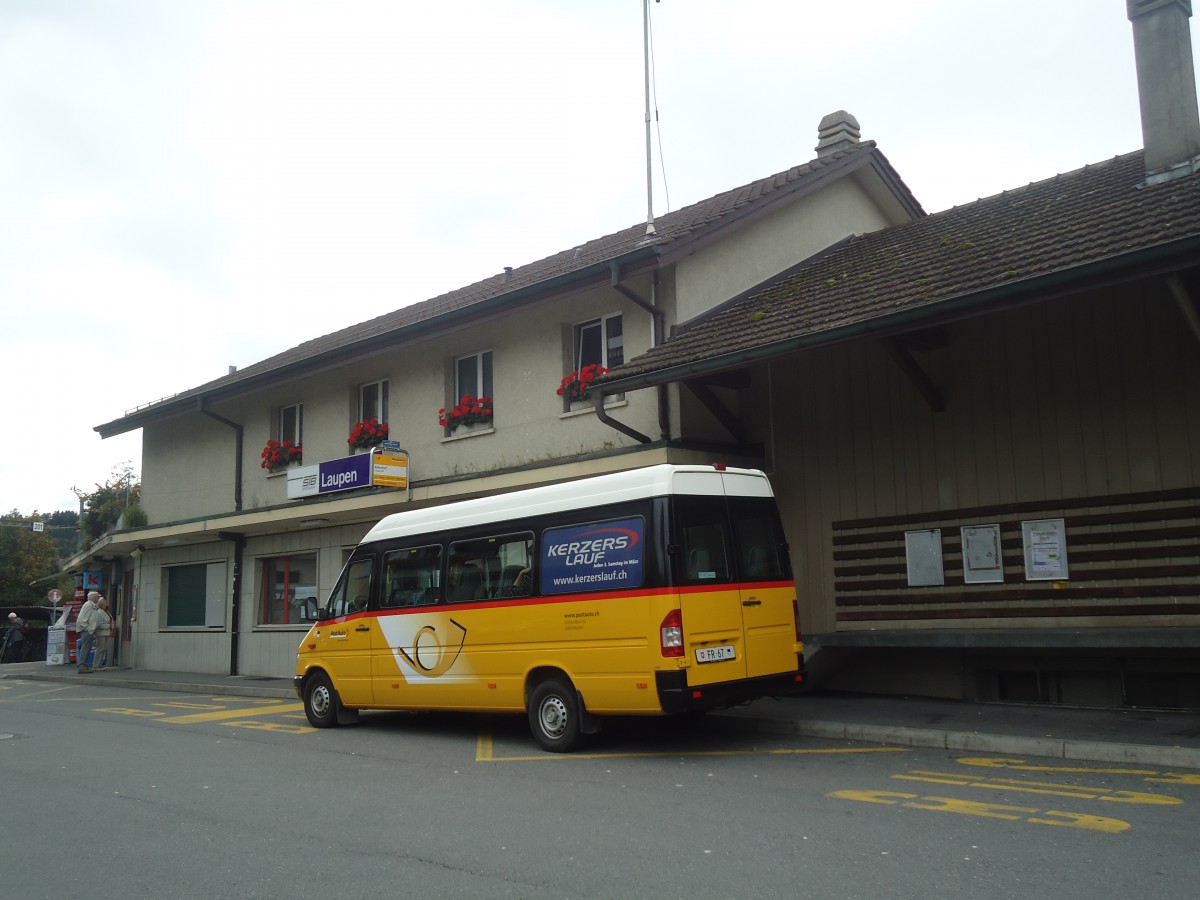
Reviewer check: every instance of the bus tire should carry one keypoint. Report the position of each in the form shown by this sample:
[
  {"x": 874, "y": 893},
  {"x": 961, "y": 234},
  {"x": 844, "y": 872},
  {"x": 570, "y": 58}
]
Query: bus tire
[
  {"x": 555, "y": 716},
  {"x": 321, "y": 701}
]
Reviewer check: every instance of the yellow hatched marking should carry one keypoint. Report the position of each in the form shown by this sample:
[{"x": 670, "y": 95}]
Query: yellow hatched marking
[
  {"x": 484, "y": 748},
  {"x": 234, "y": 714},
  {"x": 1040, "y": 787},
  {"x": 987, "y": 810},
  {"x": 126, "y": 711},
  {"x": 182, "y": 704},
  {"x": 999, "y": 762}
]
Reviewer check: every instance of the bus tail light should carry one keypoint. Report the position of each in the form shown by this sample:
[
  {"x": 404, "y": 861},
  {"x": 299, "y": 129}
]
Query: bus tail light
[{"x": 671, "y": 634}]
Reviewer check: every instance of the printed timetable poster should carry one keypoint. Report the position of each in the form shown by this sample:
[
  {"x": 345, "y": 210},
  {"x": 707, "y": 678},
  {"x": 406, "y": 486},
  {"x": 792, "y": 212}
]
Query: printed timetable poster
[{"x": 602, "y": 556}]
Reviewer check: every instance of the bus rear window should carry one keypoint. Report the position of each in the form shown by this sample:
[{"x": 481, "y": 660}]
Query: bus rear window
[
  {"x": 761, "y": 550},
  {"x": 702, "y": 539}
]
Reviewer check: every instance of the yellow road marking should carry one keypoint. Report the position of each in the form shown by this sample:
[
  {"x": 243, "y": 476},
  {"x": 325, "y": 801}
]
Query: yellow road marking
[
  {"x": 126, "y": 711},
  {"x": 987, "y": 810},
  {"x": 1020, "y": 765},
  {"x": 233, "y": 714},
  {"x": 271, "y": 726},
  {"x": 485, "y": 752},
  {"x": 1041, "y": 787}
]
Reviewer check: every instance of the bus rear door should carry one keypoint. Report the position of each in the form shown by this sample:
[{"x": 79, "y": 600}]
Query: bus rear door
[{"x": 736, "y": 599}]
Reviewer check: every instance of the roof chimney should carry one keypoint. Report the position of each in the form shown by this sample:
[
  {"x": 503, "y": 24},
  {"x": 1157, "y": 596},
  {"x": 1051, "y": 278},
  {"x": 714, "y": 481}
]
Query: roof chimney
[
  {"x": 1162, "y": 46},
  {"x": 837, "y": 131}
]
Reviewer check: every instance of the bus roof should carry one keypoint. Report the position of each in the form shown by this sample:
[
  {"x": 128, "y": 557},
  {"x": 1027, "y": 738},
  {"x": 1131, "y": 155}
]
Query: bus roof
[{"x": 598, "y": 490}]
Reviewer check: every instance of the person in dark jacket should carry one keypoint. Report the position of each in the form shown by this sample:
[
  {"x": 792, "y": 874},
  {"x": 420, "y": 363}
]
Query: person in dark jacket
[{"x": 14, "y": 639}]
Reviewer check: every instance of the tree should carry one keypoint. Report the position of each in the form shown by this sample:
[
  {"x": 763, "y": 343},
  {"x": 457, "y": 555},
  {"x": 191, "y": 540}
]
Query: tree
[
  {"x": 105, "y": 505},
  {"x": 63, "y": 526},
  {"x": 25, "y": 556}
]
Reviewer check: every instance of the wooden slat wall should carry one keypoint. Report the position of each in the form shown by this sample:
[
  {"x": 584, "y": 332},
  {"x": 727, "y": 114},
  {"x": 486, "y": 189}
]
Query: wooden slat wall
[
  {"x": 1128, "y": 555},
  {"x": 1089, "y": 396}
]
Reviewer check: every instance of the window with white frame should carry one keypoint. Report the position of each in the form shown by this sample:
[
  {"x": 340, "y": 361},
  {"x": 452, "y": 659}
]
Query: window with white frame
[
  {"x": 373, "y": 401},
  {"x": 291, "y": 424},
  {"x": 473, "y": 375},
  {"x": 289, "y": 590},
  {"x": 599, "y": 342}
]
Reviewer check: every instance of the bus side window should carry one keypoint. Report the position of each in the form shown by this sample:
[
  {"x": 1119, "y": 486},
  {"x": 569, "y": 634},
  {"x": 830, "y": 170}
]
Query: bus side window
[
  {"x": 411, "y": 577},
  {"x": 491, "y": 567}
]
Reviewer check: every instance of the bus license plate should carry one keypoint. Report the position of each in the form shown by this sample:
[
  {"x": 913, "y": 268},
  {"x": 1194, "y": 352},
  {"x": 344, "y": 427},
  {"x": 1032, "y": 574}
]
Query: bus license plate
[{"x": 714, "y": 654}]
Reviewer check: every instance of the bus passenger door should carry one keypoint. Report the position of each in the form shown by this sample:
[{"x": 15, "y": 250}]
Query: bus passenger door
[{"x": 345, "y": 642}]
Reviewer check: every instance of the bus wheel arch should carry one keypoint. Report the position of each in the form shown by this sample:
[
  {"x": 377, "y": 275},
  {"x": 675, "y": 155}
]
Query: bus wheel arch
[
  {"x": 558, "y": 718},
  {"x": 322, "y": 706}
]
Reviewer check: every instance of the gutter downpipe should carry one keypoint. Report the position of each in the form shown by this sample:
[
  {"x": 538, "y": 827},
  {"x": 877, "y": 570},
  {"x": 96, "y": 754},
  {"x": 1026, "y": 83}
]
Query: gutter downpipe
[
  {"x": 237, "y": 469},
  {"x": 239, "y": 546},
  {"x": 657, "y": 332}
]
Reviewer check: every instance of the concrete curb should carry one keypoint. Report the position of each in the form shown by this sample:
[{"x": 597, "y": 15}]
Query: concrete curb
[{"x": 979, "y": 742}]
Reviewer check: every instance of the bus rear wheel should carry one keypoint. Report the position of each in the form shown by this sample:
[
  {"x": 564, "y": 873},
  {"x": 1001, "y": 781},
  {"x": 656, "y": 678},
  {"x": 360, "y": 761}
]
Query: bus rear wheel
[
  {"x": 321, "y": 701},
  {"x": 555, "y": 717}
]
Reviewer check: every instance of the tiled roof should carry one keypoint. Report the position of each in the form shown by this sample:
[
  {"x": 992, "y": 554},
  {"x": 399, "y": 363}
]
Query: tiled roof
[
  {"x": 1013, "y": 242},
  {"x": 688, "y": 223}
]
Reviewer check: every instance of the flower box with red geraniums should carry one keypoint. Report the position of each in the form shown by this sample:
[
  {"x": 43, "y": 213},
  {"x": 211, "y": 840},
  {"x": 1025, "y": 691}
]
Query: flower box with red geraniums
[
  {"x": 367, "y": 434},
  {"x": 470, "y": 411},
  {"x": 577, "y": 385},
  {"x": 280, "y": 454}
]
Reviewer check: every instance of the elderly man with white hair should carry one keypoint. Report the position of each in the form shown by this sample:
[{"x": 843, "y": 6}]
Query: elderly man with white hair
[{"x": 85, "y": 627}]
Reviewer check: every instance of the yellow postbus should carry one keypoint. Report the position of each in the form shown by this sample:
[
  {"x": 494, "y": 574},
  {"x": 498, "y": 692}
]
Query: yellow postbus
[{"x": 656, "y": 591}]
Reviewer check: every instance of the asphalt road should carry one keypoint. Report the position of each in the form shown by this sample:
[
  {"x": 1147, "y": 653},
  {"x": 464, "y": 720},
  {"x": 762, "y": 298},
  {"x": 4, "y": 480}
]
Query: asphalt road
[{"x": 111, "y": 792}]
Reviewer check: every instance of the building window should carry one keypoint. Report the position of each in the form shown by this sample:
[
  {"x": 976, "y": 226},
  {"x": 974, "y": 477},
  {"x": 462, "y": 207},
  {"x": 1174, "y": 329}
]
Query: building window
[
  {"x": 289, "y": 590},
  {"x": 599, "y": 342},
  {"x": 373, "y": 401},
  {"x": 291, "y": 424},
  {"x": 195, "y": 595},
  {"x": 473, "y": 376}
]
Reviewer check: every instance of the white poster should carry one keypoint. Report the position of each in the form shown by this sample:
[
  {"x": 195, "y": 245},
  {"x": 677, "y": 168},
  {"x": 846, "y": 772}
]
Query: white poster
[
  {"x": 923, "y": 552},
  {"x": 1045, "y": 542},
  {"x": 56, "y": 645},
  {"x": 982, "y": 562}
]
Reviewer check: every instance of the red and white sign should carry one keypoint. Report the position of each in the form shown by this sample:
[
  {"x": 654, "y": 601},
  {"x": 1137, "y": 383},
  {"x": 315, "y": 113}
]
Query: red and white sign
[{"x": 54, "y": 595}]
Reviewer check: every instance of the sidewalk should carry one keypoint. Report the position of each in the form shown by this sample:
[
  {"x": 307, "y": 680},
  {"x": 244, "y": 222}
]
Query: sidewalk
[{"x": 1146, "y": 738}]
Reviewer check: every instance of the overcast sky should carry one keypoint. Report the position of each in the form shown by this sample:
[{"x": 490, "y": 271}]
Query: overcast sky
[{"x": 192, "y": 184}]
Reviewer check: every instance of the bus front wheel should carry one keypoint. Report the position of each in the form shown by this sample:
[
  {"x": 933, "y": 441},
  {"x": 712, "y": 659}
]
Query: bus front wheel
[
  {"x": 555, "y": 717},
  {"x": 321, "y": 701}
]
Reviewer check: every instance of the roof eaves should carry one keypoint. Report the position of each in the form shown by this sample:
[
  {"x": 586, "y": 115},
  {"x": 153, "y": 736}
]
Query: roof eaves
[
  {"x": 252, "y": 378},
  {"x": 1156, "y": 259}
]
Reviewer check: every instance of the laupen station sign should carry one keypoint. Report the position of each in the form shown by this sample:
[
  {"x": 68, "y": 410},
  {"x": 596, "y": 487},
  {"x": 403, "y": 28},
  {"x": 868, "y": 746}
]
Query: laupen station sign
[{"x": 387, "y": 466}]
